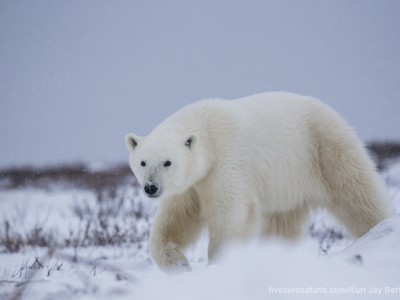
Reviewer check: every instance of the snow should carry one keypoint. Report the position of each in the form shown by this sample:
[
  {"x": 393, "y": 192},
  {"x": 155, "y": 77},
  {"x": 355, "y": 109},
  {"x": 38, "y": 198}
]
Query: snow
[
  {"x": 362, "y": 269},
  {"x": 262, "y": 270},
  {"x": 368, "y": 267}
]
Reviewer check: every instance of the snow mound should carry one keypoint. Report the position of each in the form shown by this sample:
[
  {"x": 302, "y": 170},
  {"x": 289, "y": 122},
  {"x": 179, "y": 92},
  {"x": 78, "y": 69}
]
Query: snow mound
[{"x": 369, "y": 267}]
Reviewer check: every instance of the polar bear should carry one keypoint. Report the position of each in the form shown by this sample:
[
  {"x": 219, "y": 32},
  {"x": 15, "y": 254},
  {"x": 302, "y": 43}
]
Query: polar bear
[{"x": 252, "y": 166}]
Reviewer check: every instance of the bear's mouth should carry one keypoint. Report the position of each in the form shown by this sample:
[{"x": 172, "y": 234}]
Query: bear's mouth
[{"x": 152, "y": 196}]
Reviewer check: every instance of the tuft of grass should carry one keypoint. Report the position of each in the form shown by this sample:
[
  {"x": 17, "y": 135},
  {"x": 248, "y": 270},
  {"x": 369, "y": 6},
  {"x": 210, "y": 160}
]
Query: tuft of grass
[
  {"x": 325, "y": 236},
  {"x": 113, "y": 220},
  {"x": 14, "y": 241}
]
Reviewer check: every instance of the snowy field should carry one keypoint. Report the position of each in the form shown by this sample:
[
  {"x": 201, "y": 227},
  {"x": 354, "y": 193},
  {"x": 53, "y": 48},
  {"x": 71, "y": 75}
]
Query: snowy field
[{"x": 69, "y": 243}]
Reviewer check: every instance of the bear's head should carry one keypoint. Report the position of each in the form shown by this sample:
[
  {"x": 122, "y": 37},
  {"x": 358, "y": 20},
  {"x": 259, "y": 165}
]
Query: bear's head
[{"x": 166, "y": 166}]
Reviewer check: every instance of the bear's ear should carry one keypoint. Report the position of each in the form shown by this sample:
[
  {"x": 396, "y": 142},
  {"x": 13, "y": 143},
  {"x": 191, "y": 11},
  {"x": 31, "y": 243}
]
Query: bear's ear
[
  {"x": 131, "y": 141},
  {"x": 190, "y": 141}
]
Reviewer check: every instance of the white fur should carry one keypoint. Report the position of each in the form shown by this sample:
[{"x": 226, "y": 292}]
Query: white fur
[{"x": 256, "y": 165}]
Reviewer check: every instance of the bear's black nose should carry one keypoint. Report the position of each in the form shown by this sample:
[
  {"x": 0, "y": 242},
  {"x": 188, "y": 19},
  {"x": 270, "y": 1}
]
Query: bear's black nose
[{"x": 150, "y": 189}]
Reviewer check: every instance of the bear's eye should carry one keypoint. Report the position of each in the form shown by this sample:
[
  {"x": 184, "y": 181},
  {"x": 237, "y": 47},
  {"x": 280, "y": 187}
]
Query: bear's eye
[
  {"x": 167, "y": 163},
  {"x": 143, "y": 163}
]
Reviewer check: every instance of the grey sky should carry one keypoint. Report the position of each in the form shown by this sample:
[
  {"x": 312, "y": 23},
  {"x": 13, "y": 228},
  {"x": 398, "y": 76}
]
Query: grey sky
[{"x": 76, "y": 76}]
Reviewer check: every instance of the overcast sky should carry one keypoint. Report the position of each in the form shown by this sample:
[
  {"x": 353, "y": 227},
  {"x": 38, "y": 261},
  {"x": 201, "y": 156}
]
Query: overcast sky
[{"x": 76, "y": 76}]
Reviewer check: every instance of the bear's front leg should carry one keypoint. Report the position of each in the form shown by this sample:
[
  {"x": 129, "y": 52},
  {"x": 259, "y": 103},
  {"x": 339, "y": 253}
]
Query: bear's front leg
[
  {"x": 177, "y": 224},
  {"x": 219, "y": 237},
  {"x": 228, "y": 224},
  {"x": 168, "y": 257}
]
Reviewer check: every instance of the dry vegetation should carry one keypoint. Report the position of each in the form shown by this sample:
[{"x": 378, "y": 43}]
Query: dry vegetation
[{"x": 67, "y": 176}]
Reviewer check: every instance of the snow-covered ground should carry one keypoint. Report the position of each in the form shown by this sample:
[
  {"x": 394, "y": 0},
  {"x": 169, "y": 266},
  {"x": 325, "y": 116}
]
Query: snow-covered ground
[{"x": 324, "y": 263}]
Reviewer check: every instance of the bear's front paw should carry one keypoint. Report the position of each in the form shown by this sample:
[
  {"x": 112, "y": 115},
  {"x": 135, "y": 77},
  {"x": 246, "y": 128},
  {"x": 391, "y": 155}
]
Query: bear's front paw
[{"x": 171, "y": 260}]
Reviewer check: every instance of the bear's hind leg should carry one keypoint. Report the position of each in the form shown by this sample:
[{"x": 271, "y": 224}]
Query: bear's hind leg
[
  {"x": 358, "y": 213},
  {"x": 288, "y": 225},
  {"x": 357, "y": 197}
]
